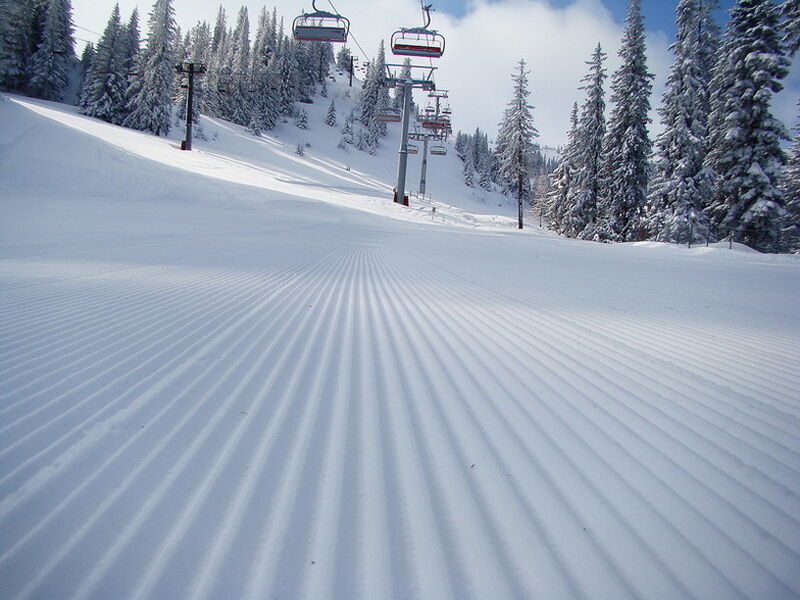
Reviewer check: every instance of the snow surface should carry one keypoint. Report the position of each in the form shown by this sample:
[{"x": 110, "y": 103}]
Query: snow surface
[{"x": 239, "y": 373}]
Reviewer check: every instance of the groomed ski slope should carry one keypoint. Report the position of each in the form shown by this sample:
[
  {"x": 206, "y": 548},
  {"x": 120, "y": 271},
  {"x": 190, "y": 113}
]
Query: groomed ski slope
[{"x": 238, "y": 373}]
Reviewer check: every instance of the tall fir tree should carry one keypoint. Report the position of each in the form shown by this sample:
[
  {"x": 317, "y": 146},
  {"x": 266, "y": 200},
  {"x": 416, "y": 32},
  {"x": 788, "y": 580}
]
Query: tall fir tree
[
  {"x": 106, "y": 82},
  {"x": 681, "y": 183},
  {"x": 52, "y": 62},
  {"x": 263, "y": 109},
  {"x": 745, "y": 155},
  {"x": 330, "y": 117},
  {"x": 791, "y": 25},
  {"x": 240, "y": 80},
  {"x": 561, "y": 198},
  {"x": 16, "y": 42},
  {"x": 790, "y": 240},
  {"x": 581, "y": 213},
  {"x": 515, "y": 137},
  {"x": 150, "y": 107},
  {"x": 626, "y": 147},
  {"x": 131, "y": 53}
]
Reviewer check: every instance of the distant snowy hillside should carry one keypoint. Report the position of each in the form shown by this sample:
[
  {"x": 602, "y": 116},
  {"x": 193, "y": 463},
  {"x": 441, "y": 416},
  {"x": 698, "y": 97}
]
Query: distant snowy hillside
[{"x": 238, "y": 372}]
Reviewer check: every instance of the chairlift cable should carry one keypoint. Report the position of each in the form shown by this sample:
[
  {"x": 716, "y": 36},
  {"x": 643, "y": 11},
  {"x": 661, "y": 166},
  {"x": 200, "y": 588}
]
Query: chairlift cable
[{"x": 352, "y": 35}]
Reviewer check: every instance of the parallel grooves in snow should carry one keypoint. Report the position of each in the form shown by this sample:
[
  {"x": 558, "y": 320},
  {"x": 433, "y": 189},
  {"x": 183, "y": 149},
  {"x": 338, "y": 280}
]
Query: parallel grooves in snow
[{"x": 346, "y": 423}]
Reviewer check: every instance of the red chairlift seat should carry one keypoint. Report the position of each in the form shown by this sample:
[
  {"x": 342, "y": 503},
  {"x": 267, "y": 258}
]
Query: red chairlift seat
[
  {"x": 435, "y": 122},
  {"x": 418, "y": 41},
  {"x": 320, "y": 26}
]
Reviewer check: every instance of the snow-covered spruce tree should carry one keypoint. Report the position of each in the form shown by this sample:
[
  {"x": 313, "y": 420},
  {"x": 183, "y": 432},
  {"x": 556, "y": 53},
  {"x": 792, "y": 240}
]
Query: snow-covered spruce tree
[
  {"x": 240, "y": 82},
  {"x": 561, "y": 198},
  {"x": 103, "y": 93},
  {"x": 131, "y": 54},
  {"x": 744, "y": 138},
  {"x": 51, "y": 64},
  {"x": 515, "y": 140},
  {"x": 790, "y": 231},
  {"x": 302, "y": 119},
  {"x": 626, "y": 147},
  {"x": 581, "y": 212},
  {"x": 16, "y": 42},
  {"x": 791, "y": 25},
  {"x": 263, "y": 104},
  {"x": 330, "y": 117},
  {"x": 343, "y": 59},
  {"x": 680, "y": 181},
  {"x": 374, "y": 95},
  {"x": 150, "y": 108},
  {"x": 86, "y": 61},
  {"x": 288, "y": 78},
  {"x": 399, "y": 91}
]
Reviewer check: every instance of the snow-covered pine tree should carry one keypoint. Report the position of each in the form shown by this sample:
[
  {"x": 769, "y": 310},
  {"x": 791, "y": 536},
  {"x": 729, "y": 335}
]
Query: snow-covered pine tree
[
  {"x": 744, "y": 138},
  {"x": 626, "y": 147},
  {"x": 240, "y": 82},
  {"x": 515, "y": 140},
  {"x": 581, "y": 211},
  {"x": 347, "y": 130},
  {"x": 791, "y": 25},
  {"x": 288, "y": 78},
  {"x": 374, "y": 95},
  {"x": 131, "y": 55},
  {"x": 343, "y": 59},
  {"x": 302, "y": 119},
  {"x": 150, "y": 108},
  {"x": 103, "y": 93},
  {"x": 51, "y": 64},
  {"x": 790, "y": 238},
  {"x": 561, "y": 198},
  {"x": 399, "y": 91},
  {"x": 216, "y": 80},
  {"x": 86, "y": 61},
  {"x": 330, "y": 117},
  {"x": 16, "y": 42},
  {"x": 263, "y": 105},
  {"x": 680, "y": 182},
  {"x": 469, "y": 169}
]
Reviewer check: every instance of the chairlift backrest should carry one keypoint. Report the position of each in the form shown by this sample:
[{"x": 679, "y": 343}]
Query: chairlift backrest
[
  {"x": 320, "y": 26},
  {"x": 438, "y": 150},
  {"x": 412, "y": 149}
]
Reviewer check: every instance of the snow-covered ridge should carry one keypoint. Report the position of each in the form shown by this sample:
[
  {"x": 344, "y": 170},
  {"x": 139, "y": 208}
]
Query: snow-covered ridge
[{"x": 219, "y": 380}]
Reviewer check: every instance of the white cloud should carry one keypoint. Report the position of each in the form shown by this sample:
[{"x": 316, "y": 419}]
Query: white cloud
[{"x": 482, "y": 49}]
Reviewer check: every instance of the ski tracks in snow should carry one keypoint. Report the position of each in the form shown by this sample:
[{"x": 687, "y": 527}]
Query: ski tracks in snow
[{"x": 342, "y": 422}]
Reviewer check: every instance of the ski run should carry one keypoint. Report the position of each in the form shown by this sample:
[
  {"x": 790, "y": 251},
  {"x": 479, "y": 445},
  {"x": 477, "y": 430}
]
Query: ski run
[{"x": 243, "y": 373}]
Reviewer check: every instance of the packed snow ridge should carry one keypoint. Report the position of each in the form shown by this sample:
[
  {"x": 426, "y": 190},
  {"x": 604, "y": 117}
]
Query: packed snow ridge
[{"x": 242, "y": 373}]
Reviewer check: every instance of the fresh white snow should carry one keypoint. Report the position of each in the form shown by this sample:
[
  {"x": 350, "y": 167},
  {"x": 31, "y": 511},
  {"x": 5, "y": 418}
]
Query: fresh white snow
[{"x": 241, "y": 373}]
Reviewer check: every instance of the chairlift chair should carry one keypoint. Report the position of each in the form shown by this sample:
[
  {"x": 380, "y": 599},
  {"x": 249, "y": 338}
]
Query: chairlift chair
[
  {"x": 321, "y": 26},
  {"x": 438, "y": 150},
  {"x": 435, "y": 122},
  {"x": 389, "y": 115},
  {"x": 412, "y": 149},
  {"x": 418, "y": 41}
]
